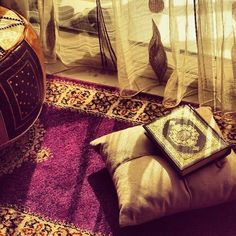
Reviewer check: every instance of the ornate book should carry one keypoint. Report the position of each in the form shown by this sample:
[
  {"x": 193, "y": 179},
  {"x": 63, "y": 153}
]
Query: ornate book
[{"x": 186, "y": 139}]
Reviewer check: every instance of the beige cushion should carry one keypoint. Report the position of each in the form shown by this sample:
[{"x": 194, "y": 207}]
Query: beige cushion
[{"x": 148, "y": 188}]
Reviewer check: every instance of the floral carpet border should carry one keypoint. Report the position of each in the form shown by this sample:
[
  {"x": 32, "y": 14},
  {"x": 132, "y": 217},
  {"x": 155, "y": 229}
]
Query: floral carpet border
[
  {"x": 101, "y": 100},
  {"x": 18, "y": 222}
]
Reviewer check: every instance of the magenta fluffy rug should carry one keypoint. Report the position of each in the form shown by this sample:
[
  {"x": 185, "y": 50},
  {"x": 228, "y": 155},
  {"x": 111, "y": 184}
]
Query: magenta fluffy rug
[{"x": 53, "y": 183}]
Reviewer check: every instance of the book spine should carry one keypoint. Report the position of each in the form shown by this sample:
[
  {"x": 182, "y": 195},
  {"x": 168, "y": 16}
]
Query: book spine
[{"x": 209, "y": 160}]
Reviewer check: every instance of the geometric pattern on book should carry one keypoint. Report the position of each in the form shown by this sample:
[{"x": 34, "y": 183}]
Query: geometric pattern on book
[
  {"x": 186, "y": 141},
  {"x": 184, "y": 133}
]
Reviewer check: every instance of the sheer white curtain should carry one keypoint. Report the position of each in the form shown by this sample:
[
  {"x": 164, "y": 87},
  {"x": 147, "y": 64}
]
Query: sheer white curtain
[
  {"x": 44, "y": 14},
  {"x": 194, "y": 39},
  {"x": 199, "y": 39},
  {"x": 216, "y": 55},
  {"x": 133, "y": 31},
  {"x": 129, "y": 27}
]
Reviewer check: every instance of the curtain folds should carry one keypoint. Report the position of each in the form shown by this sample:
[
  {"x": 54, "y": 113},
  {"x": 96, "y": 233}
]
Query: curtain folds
[
  {"x": 216, "y": 54},
  {"x": 48, "y": 31},
  {"x": 183, "y": 80},
  {"x": 186, "y": 47}
]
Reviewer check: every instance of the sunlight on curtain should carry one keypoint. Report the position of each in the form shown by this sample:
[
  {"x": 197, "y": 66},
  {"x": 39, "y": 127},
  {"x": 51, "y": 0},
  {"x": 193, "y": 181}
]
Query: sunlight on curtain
[
  {"x": 198, "y": 38},
  {"x": 68, "y": 29},
  {"x": 78, "y": 36},
  {"x": 216, "y": 54},
  {"x": 175, "y": 22},
  {"x": 133, "y": 27},
  {"x": 183, "y": 60},
  {"x": 47, "y": 30},
  {"x": 80, "y": 45},
  {"x": 134, "y": 30}
]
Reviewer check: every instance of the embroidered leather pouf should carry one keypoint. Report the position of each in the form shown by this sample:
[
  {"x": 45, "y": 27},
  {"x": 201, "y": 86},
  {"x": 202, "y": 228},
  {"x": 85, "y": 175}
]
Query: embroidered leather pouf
[{"x": 22, "y": 76}]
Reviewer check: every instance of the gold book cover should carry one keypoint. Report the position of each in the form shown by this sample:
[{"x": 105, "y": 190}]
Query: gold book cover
[{"x": 186, "y": 139}]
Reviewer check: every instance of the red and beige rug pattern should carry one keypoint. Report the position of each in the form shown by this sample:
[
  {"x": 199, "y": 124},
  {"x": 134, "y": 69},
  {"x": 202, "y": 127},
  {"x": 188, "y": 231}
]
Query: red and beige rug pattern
[
  {"x": 51, "y": 181},
  {"x": 20, "y": 222},
  {"x": 70, "y": 96}
]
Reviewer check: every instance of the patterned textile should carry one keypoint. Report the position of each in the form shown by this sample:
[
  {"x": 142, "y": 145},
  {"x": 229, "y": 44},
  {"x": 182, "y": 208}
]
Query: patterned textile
[
  {"x": 103, "y": 101},
  {"x": 22, "y": 80},
  {"x": 53, "y": 183},
  {"x": 107, "y": 102},
  {"x": 18, "y": 222}
]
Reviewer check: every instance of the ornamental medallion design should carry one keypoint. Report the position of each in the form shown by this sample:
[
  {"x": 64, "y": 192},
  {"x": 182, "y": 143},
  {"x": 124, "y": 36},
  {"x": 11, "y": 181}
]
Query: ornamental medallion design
[{"x": 185, "y": 135}]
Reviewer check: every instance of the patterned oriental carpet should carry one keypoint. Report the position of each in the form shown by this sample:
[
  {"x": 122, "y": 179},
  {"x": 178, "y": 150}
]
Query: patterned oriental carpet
[{"x": 53, "y": 183}]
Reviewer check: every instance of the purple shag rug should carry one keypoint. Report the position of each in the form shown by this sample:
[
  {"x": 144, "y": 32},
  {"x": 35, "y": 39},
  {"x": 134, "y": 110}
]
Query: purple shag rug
[{"x": 53, "y": 183}]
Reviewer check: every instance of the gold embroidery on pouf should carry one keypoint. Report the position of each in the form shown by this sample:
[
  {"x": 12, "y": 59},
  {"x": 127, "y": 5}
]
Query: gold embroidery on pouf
[
  {"x": 15, "y": 221},
  {"x": 26, "y": 148}
]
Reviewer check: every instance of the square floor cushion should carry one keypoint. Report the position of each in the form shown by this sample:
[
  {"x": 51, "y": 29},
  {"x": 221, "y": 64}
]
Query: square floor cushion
[{"x": 148, "y": 187}]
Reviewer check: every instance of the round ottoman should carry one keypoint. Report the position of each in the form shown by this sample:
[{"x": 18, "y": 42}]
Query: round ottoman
[{"x": 22, "y": 76}]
